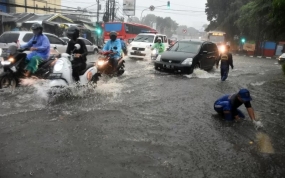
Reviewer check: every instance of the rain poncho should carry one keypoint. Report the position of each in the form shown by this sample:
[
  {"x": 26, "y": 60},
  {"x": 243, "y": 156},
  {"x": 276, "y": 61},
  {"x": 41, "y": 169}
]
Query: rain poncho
[{"x": 41, "y": 42}]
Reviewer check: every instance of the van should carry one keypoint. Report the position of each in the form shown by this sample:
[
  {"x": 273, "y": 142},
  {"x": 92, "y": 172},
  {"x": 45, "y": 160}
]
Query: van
[{"x": 141, "y": 45}]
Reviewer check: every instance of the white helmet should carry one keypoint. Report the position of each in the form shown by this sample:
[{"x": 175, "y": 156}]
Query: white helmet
[{"x": 159, "y": 39}]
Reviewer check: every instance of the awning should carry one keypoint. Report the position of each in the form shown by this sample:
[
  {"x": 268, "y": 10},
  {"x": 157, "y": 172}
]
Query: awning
[
  {"x": 61, "y": 16},
  {"x": 89, "y": 27}
]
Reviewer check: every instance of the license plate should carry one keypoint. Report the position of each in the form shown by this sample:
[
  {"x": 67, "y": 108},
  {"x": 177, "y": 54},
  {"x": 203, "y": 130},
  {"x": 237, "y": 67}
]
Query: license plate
[
  {"x": 13, "y": 69},
  {"x": 137, "y": 52},
  {"x": 168, "y": 66},
  {"x": 55, "y": 75}
]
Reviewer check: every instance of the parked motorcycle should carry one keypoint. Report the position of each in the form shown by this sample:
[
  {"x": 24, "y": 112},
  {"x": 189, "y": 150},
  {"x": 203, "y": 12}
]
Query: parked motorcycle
[
  {"x": 62, "y": 72},
  {"x": 14, "y": 64},
  {"x": 104, "y": 67}
]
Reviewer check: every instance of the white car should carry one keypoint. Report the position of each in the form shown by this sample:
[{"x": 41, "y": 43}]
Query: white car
[
  {"x": 91, "y": 48},
  {"x": 22, "y": 37},
  {"x": 141, "y": 45}
]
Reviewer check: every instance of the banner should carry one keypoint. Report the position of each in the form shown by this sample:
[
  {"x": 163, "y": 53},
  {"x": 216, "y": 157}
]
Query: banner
[
  {"x": 249, "y": 47},
  {"x": 129, "y": 7}
]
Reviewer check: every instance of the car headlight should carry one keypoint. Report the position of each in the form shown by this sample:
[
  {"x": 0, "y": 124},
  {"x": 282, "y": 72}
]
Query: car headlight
[
  {"x": 187, "y": 61},
  {"x": 4, "y": 63},
  {"x": 222, "y": 49},
  {"x": 158, "y": 58},
  {"x": 58, "y": 65},
  {"x": 1, "y": 51}
]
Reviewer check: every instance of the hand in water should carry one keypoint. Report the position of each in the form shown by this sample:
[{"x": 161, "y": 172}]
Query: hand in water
[{"x": 257, "y": 124}]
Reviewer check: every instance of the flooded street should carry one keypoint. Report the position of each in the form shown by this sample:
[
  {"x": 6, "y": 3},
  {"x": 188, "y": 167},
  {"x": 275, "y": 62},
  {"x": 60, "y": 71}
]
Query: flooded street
[{"x": 146, "y": 124}]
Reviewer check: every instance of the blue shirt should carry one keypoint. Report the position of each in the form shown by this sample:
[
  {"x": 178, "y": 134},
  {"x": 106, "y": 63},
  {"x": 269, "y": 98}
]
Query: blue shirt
[
  {"x": 42, "y": 45},
  {"x": 110, "y": 46}
]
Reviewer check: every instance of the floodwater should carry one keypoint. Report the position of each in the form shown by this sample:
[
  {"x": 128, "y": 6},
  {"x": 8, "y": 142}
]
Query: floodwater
[{"x": 146, "y": 124}]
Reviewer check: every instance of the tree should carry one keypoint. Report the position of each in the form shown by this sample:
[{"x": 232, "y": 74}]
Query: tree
[
  {"x": 149, "y": 20},
  {"x": 164, "y": 25},
  {"x": 134, "y": 19}
]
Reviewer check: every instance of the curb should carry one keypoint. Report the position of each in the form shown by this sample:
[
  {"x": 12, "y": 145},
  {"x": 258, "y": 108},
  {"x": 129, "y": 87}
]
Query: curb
[{"x": 274, "y": 57}]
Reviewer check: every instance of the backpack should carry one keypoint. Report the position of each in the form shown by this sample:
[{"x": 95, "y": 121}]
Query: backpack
[{"x": 224, "y": 57}]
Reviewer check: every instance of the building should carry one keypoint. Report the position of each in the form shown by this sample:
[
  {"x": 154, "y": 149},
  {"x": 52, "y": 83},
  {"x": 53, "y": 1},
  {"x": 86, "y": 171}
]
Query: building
[{"x": 35, "y": 6}]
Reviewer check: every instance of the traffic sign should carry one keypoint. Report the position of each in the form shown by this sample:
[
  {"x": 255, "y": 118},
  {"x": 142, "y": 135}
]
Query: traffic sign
[{"x": 151, "y": 8}]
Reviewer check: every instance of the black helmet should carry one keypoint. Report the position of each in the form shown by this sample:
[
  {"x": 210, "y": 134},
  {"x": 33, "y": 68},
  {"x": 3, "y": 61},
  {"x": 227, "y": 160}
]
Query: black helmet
[
  {"x": 113, "y": 33},
  {"x": 37, "y": 26},
  {"x": 72, "y": 32}
]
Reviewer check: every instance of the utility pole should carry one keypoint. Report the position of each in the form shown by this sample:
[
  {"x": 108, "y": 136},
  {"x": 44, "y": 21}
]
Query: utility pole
[
  {"x": 26, "y": 6},
  {"x": 98, "y": 8},
  {"x": 108, "y": 10},
  {"x": 113, "y": 10}
]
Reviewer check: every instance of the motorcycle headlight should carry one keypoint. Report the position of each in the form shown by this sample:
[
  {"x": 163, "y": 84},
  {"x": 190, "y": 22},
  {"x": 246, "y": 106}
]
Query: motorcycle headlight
[
  {"x": 100, "y": 63},
  {"x": 11, "y": 60},
  {"x": 158, "y": 58},
  {"x": 187, "y": 61},
  {"x": 58, "y": 65},
  {"x": 154, "y": 51}
]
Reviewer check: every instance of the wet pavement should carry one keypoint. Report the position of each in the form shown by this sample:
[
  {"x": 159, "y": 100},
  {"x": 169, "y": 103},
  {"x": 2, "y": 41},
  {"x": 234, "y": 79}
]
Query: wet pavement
[{"x": 146, "y": 124}]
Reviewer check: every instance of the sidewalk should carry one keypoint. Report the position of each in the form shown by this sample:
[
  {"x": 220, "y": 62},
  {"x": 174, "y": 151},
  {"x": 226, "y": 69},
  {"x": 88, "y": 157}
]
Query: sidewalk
[{"x": 274, "y": 57}]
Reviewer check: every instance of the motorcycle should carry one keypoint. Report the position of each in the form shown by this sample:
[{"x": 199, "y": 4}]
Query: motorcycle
[
  {"x": 154, "y": 54},
  {"x": 62, "y": 72},
  {"x": 104, "y": 67},
  {"x": 14, "y": 67}
]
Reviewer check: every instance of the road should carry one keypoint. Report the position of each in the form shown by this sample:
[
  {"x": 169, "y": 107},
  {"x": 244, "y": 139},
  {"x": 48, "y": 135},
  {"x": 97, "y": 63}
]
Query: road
[{"x": 146, "y": 124}]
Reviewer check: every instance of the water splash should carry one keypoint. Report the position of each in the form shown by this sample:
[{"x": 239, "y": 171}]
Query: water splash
[
  {"x": 257, "y": 83},
  {"x": 199, "y": 73}
]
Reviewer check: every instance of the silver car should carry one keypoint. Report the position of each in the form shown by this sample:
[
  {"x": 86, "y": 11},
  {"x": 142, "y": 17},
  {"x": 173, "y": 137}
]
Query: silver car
[{"x": 23, "y": 37}]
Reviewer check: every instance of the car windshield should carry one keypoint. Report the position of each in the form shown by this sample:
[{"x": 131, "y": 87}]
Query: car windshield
[
  {"x": 144, "y": 38},
  {"x": 186, "y": 46},
  {"x": 217, "y": 39}
]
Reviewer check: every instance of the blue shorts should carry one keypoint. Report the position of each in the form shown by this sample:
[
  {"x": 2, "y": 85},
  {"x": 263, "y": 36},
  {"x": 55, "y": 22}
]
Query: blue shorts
[{"x": 222, "y": 106}]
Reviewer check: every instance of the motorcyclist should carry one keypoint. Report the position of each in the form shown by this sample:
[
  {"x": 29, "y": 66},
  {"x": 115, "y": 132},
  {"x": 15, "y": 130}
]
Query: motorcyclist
[
  {"x": 115, "y": 46},
  {"x": 40, "y": 47},
  {"x": 226, "y": 59},
  {"x": 79, "y": 62},
  {"x": 159, "y": 46},
  {"x": 227, "y": 105}
]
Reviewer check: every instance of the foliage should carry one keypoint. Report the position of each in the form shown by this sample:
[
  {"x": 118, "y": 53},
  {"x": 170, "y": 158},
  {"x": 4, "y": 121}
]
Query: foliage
[
  {"x": 254, "y": 19},
  {"x": 163, "y": 25}
]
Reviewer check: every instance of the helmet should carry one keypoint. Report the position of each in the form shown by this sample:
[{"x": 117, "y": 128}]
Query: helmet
[
  {"x": 36, "y": 26},
  {"x": 72, "y": 32},
  {"x": 113, "y": 33},
  {"x": 159, "y": 39}
]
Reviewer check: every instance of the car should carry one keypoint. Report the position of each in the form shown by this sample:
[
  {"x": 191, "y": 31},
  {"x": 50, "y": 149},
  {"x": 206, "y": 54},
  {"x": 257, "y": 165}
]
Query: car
[
  {"x": 23, "y": 37},
  {"x": 140, "y": 46},
  {"x": 91, "y": 48},
  {"x": 281, "y": 59},
  {"x": 186, "y": 55}
]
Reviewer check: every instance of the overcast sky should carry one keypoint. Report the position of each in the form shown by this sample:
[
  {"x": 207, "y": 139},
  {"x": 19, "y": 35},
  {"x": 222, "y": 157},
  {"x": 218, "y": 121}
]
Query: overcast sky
[{"x": 184, "y": 12}]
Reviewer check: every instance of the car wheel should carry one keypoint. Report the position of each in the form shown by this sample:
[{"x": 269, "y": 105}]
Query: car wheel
[
  {"x": 197, "y": 66},
  {"x": 95, "y": 51}
]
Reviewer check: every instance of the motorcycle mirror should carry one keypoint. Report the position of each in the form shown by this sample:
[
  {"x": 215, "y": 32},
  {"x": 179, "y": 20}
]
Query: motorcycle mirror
[{"x": 77, "y": 46}]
